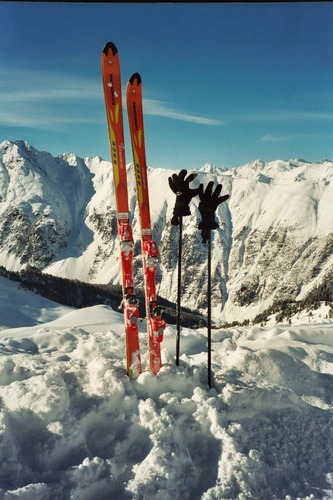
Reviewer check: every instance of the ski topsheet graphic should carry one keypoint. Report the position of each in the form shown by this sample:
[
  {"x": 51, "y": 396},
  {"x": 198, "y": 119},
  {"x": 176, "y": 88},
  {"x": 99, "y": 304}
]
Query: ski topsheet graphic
[
  {"x": 155, "y": 324},
  {"x": 113, "y": 104}
]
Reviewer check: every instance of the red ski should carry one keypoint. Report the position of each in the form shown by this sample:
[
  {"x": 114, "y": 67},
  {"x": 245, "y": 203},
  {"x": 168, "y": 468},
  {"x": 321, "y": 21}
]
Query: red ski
[
  {"x": 155, "y": 324},
  {"x": 113, "y": 104}
]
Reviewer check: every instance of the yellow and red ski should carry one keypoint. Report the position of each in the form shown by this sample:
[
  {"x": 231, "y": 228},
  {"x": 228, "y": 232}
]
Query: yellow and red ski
[
  {"x": 113, "y": 105},
  {"x": 155, "y": 324}
]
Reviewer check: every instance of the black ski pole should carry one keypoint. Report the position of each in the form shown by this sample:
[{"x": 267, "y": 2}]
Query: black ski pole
[
  {"x": 209, "y": 305},
  {"x": 179, "y": 184},
  {"x": 209, "y": 201},
  {"x": 179, "y": 290}
]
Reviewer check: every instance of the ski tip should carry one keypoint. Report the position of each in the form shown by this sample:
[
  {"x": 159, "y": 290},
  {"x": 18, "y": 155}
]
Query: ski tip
[
  {"x": 110, "y": 46},
  {"x": 136, "y": 77}
]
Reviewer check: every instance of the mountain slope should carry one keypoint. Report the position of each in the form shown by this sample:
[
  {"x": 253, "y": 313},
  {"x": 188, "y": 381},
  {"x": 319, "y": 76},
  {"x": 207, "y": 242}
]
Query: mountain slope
[{"x": 274, "y": 241}]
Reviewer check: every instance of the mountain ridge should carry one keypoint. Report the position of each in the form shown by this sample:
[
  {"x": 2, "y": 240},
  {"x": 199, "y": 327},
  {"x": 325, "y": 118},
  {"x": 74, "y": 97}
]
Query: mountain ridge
[{"x": 274, "y": 241}]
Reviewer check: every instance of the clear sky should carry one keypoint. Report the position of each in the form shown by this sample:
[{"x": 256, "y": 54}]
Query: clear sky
[{"x": 223, "y": 83}]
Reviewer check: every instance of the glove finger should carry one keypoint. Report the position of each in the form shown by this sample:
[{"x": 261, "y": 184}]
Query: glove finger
[
  {"x": 190, "y": 178},
  {"x": 171, "y": 183},
  {"x": 175, "y": 183},
  {"x": 217, "y": 191},
  {"x": 221, "y": 199},
  {"x": 182, "y": 175},
  {"x": 209, "y": 189}
]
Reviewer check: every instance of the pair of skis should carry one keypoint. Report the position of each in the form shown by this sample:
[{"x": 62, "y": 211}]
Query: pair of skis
[{"x": 114, "y": 111}]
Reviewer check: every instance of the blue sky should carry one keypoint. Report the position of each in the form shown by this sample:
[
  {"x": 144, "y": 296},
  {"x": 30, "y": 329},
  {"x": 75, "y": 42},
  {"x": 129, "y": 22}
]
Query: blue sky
[{"x": 223, "y": 83}]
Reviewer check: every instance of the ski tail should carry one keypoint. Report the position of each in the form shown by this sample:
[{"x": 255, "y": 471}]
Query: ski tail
[
  {"x": 111, "y": 78},
  {"x": 155, "y": 323}
]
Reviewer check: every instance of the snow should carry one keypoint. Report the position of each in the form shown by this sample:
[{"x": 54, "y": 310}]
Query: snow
[
  {"x": 29, "y": 308},
  {"x": 73, "y": 426}
]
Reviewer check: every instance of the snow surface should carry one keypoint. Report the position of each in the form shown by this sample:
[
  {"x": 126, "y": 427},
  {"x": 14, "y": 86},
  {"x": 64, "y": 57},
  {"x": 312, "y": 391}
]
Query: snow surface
[
  {"x": 73, "y": 426},
  {"x": 19, "y": 307}
]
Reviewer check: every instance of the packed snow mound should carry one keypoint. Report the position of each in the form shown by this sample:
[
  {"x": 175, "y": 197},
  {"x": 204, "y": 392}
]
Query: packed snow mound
[{"x": 73, "y": 426}]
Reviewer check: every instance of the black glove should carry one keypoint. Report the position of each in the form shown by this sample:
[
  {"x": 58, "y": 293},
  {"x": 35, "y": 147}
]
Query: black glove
[
  {"x": 180, "y": 186},
  {"x": 209, "y": 202}
]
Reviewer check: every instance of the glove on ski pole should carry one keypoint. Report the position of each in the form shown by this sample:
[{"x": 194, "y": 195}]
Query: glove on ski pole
[
  {"x": 209, "y": 201},
  {"x": 180, "y": 186}
]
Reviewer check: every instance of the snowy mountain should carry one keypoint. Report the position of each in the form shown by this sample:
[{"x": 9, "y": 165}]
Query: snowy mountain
[
  {"x": 73, "y": 426},
  {"x": 274, "y": 242}
]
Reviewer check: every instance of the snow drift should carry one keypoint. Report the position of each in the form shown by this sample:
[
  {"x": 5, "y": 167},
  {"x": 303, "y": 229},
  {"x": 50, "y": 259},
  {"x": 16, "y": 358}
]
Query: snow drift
[{"x": 72, "y": 425}]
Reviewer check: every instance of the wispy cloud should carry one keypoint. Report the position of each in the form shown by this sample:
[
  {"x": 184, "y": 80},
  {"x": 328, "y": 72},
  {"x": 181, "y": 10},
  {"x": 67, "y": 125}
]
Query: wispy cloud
[
  {"x": 44, "y": 94},
  {"x": 42, "y": 86},
  {"x": 284, "y": 115},
  {"x": 36, "y": 120},
  {"x": 27, "y": 96},
  {"x": 43, "y": 100},
  {"x": 276, "y": 138},
  {"x": 162, "y": 109},
  {"x": 271, "y": 138}
]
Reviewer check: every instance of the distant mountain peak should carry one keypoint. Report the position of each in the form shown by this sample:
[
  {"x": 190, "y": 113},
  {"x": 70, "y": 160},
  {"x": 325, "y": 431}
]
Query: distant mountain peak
[
  {"x": 209, "y": 168},
  {"x": 273, "y": 243}
]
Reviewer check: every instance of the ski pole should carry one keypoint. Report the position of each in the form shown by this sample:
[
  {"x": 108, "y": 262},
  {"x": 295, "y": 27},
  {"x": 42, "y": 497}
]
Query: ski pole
[
  {"x": 209, "y": 305},
  {"x": 179, "y": 184},
  {"x": 179, "y": 290},
  {"x": 209, "y": 201}
]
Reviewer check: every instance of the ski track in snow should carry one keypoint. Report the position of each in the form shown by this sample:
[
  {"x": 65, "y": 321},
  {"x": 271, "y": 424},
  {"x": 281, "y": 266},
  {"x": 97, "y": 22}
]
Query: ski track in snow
[{"x": 73, "y": 426}]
